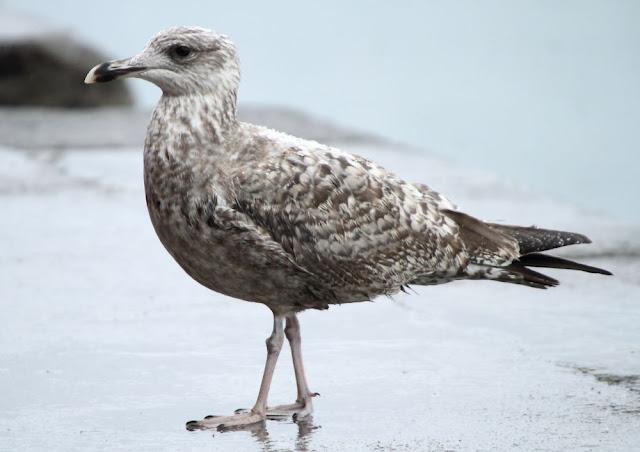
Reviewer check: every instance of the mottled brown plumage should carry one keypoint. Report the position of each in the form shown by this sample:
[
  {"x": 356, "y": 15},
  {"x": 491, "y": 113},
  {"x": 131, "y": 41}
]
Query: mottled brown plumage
[{"x": 266, "y": 217}]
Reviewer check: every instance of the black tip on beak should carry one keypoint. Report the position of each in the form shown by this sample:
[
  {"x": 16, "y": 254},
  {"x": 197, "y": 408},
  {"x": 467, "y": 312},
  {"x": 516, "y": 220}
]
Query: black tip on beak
[{"x": 106, "y": 72}]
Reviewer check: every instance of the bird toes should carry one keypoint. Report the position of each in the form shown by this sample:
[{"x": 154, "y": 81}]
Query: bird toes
[{"x": 239, "y": 420}]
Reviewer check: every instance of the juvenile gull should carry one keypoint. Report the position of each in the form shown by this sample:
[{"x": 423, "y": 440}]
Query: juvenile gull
[{"x": 266, "y": 217}]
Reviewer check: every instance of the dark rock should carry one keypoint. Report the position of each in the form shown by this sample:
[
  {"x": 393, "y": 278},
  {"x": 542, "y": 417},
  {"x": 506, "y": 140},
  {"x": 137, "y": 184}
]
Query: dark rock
[{"x": 43, "y": 66}]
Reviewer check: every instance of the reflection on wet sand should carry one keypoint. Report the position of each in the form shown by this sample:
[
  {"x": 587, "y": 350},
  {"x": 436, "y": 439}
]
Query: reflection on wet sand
[
  {"x": 259, "y": 432},
  {"x": 306, "y": 427}
]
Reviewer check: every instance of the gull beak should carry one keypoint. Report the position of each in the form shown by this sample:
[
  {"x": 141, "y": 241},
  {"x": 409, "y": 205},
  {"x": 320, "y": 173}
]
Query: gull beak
[{"x": 111, "y": 70}]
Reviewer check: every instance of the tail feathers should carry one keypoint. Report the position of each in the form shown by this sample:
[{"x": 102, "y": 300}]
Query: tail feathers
[
  {"x": 547, "y": 261},
  {"x": 532, "y": 239},
  {"x": 485, "y": 243},
  {"x": 505, "y": 253},
  {"x": 514, "y": 273},
  {"x": 520, "y": 274},
  {"x": 518, "y": 271}
]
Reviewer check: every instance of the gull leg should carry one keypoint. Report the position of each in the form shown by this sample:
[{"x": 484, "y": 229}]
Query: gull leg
[
  {"x": 303, "y": 405},
  {"x": 259, "y": 410}
]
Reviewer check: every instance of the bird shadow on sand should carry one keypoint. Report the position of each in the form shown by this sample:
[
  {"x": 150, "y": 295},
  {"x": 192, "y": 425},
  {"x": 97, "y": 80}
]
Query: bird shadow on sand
[{"x": 304, "y": 431}]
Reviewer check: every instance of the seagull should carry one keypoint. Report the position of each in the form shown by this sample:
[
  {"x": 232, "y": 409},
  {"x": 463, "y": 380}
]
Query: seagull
[{"x": 293, "y": 224}]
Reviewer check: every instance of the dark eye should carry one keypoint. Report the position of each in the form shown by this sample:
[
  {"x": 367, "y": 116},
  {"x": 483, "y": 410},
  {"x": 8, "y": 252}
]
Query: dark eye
[{"x": 181, "y": 51}]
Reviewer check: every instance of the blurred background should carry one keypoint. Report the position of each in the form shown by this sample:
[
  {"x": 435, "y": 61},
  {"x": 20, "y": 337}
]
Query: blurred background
[{"x": 542, "y": 93}]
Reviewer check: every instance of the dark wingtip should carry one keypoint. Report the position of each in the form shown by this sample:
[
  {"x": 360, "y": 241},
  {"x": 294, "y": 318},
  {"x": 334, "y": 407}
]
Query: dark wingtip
[
  {"x": 549, "y": 261},
  {"x": 582, "y": 239},
  {"x": 590, "y": 269}
]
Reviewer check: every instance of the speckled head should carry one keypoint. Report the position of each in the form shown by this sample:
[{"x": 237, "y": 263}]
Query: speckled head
[{"x": 180, "y": 61}]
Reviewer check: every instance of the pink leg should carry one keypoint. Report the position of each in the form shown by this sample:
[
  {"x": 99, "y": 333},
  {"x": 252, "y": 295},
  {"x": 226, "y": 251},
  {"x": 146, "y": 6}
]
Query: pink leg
[
  {"x": 259, "y": 410},
  {"x": 303, "y": 405}
]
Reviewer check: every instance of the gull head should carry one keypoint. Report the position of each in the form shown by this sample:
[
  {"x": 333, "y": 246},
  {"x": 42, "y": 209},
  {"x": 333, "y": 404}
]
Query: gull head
[{"x": 180, "y": 61}]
